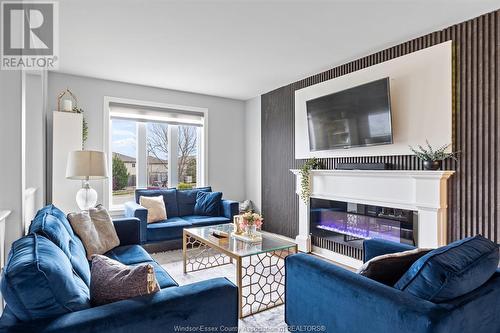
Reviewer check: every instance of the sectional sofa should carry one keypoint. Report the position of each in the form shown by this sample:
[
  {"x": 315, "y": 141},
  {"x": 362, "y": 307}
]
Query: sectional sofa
[
  {"x": 180, "y": 213},
  {"x": 47, "y": 277}
]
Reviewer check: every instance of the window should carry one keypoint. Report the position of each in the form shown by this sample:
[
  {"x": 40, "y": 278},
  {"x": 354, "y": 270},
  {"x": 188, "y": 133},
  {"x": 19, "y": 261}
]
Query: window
[
  {"x": 187, "y": 156},
  {"x": 124, "y": 148},
  {"x": 157, "y": 141},
  {"x": 153, "y": 149}
]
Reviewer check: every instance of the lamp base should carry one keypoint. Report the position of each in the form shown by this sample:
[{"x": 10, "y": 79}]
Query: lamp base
[{"x": 86, "y": 197}]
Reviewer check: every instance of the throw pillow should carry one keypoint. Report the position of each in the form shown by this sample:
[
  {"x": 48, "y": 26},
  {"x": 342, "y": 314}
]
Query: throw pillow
[
  {"x": 389, "y": 268},
  {"x": 113, "y": 281},
  {"x": 452, "y": 270},
  {"x": 156, "y": 208},
  {"x": 208, "y": 203},
  {"x": 95, "y": 229}
]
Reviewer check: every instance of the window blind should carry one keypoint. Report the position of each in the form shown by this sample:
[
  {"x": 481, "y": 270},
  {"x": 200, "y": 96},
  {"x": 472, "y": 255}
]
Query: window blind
[{"x": 156, "y": 114}]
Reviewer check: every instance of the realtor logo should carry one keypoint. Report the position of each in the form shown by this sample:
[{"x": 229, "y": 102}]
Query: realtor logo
[{"x": 29, "y": 36}]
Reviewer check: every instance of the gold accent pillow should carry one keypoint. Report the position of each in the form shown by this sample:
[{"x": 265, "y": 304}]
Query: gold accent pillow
[
  {"x": 95, "y": 229},
  {"x": 156, "y": 208}
]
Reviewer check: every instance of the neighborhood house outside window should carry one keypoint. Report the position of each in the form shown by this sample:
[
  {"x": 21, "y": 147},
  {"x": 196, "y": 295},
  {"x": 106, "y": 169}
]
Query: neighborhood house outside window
[{"x": 152, "y": 154}]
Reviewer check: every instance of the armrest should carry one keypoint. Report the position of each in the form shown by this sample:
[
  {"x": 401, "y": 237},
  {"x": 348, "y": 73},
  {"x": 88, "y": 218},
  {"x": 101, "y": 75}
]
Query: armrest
[
  {"x": 128, "y": 230},
  {"x": 133, "y": 209},
  {"x": 210, "y": 304},
  {"x": 318, "y": 292},
  {"x": 230, "y": 208},
  {"x": 377, "y": 247}
]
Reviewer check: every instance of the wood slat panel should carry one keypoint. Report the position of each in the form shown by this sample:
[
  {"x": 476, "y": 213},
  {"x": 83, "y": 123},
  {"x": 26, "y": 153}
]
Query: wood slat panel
[{"x": 474, "y": 192}]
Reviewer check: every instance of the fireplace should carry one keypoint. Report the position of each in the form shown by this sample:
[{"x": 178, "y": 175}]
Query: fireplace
[
  {"x": 348, "y": 206},
  {"x": 343, "y": 226}
]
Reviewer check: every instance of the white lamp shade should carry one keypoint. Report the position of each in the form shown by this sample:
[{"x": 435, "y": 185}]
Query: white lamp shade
[{"x": 86, "y": 164}]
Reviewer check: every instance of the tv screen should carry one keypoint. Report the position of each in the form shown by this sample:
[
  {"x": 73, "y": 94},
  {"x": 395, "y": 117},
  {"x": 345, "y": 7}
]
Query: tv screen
[{"x": 355, "y": 117}]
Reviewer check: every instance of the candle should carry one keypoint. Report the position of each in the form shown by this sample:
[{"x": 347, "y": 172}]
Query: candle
[{"x": 67, "y": 105}]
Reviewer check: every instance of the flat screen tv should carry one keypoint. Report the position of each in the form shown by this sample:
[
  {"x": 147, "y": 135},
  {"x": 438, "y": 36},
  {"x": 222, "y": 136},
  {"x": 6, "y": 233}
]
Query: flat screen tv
[{"x": 355, "y": 117}]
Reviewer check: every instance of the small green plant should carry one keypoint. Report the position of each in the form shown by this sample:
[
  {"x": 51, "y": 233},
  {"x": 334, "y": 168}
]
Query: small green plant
[
  {"x": 431, "y": 154},
  {"x": 85, "y": 126},
  {"x": 184, "y": 186},
  {"x": 305, "y": 184}
]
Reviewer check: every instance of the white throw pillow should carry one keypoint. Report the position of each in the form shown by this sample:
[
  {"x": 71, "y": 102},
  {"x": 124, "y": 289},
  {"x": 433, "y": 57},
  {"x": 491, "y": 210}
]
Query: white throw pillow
[{"x": 156, "y": 208}]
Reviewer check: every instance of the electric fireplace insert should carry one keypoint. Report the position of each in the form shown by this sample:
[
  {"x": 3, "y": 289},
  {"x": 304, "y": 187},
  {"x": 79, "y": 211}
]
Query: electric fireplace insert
[{"x": 347, "y": 224}]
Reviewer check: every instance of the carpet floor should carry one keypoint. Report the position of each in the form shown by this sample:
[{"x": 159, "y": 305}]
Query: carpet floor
[{"x": 271, "y": 320}]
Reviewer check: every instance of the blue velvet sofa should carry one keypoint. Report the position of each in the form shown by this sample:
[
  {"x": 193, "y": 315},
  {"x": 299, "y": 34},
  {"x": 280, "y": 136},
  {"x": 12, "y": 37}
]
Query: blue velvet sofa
[
  {"x": 180, "y": 213},
  {"x": 46, "y": 281},
  {"x": 322, "y": 294}
]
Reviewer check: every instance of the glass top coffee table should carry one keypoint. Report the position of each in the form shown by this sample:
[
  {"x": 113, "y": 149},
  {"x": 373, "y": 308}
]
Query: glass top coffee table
[{"x": 260, "y": 267}]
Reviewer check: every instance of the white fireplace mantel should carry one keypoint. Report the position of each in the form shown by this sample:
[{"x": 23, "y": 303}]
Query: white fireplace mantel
[{"x": 421, "y": 191}]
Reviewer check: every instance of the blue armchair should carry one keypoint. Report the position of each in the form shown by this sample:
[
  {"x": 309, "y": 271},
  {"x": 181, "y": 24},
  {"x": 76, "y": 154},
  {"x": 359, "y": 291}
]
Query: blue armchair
[
  {"x": 53, "y": 255},
  {"x": 324, "y": 294},
  {"x": 179, "y": 205}
]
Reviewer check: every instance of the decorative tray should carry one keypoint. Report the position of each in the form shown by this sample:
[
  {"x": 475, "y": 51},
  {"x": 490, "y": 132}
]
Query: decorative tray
[{"x": 256, "y": 239}]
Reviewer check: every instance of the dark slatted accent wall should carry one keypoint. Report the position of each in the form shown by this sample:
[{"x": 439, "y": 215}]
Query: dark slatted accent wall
[{"x": 474, "y": 192}]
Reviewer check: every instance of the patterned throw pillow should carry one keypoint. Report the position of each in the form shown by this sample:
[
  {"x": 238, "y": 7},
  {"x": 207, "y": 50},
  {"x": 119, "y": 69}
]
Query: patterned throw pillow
[
  {"x": 389, "y": 268},
  {"x": 156, "y": 208},
  {"x": 96, "y": 230},
  {"x": 112, "y": 281}
]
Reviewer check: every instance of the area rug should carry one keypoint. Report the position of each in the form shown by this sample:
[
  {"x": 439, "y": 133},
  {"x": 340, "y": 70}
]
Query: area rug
[{"x": 271, "y": 320}]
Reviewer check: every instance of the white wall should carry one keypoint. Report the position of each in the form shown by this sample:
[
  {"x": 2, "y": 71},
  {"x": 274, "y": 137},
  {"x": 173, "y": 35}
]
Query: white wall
[
  {"x": 253, "y": 150},
  {"x": 11, "y": 153},
  {"x": 225, "y": 123},
  {"x": 35, "y": 136},
  {"x": 421, "y": 102}
]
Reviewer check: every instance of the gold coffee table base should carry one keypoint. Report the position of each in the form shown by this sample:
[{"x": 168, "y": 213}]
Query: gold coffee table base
[{"x": 260, "y": 273}]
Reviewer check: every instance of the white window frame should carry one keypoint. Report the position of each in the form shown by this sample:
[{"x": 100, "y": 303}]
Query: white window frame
[{"x": 202, "y": 151}]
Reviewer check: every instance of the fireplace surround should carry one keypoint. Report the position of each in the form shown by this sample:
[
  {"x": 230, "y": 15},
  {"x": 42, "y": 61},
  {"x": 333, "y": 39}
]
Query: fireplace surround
[{"x": 423, "y": 193}]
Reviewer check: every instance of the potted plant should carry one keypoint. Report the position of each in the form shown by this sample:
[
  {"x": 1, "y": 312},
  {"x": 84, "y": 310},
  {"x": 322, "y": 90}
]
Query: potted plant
[
  {"x": 305, "y": 183},
  {"x": 85, "y": 126},
  {"x": 250, "y": 222},
  {"x": 433, "y": 158}
]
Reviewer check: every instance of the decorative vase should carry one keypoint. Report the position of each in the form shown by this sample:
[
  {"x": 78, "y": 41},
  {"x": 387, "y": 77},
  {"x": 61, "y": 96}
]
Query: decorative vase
[
  {"x": 251, "y": 230},
  {"x": 432, "y": 165}
]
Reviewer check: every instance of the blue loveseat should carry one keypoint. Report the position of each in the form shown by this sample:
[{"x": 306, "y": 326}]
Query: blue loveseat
[
  {"x": 180, "y": 213},
  {"x": 46, "y": 287},
  {"x": 319, "y": 293}
]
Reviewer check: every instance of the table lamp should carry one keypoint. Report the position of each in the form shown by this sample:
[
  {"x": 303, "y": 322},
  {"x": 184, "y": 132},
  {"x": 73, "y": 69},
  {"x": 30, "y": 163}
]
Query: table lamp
[{"x": 86, "y": 165}]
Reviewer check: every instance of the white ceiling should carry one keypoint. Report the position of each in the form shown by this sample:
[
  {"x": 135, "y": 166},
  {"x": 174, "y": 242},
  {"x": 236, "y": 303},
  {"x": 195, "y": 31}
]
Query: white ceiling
[{"x": 239, "y": 49}]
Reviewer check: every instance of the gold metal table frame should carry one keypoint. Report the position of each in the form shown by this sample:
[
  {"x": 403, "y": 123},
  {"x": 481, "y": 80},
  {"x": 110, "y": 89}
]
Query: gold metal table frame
[{"x": 260, "y": 268}]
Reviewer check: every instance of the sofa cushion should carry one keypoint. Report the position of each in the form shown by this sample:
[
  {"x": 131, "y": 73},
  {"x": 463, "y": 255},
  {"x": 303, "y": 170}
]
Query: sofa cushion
[
  {"x": 129, "y": 254},
  {"x": 59, "y": 214},
  {"x": 52, "y": 224},
  {"x": 208, "y": 203},
  {"x": 163, "y": 278},
  {"x": 200, "y": 220},
  {"x": 169, "y": 197},
  {"x": 39, "y": 281},
  {"x": 170, "y": 229},
  {"x": 451, "y": 271},
  {"x": 186, "y": 199}
]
